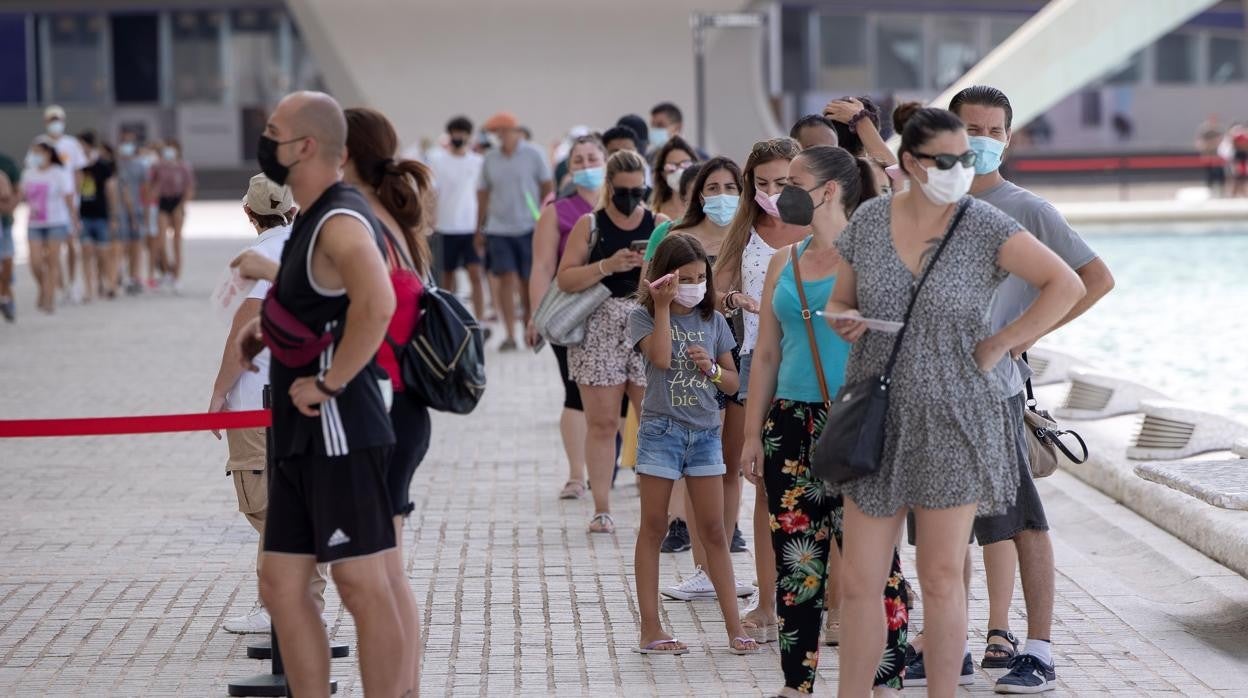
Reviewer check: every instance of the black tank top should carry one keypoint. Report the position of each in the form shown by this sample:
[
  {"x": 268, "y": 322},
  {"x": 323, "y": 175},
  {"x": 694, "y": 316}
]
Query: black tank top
[
  {"x": 611, "y": 240},
  {"x": 356, "y": 419}
]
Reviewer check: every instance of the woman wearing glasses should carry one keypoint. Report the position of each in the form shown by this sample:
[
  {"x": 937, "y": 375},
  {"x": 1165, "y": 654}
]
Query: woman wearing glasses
[
  {"x": 670, "y": 162},
  {"x": 604, "y": 366},
  {"x": 945, "y": 454}
]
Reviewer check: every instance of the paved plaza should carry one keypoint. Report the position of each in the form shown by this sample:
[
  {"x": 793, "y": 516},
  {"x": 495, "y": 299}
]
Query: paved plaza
[{"x": 121, "y": 556}]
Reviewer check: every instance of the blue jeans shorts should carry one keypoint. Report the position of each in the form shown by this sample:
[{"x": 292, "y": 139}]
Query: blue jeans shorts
[
  {"x": 746, "y": 360},
  {"x": 131, "y": 228},
  {"x": 95, "y": 231},
  {"x": 54, "y": 233},
  {"x": 509, "y": 254},
  {"x": 6, "y": 240},
  {"x": 668, "y": 449}
]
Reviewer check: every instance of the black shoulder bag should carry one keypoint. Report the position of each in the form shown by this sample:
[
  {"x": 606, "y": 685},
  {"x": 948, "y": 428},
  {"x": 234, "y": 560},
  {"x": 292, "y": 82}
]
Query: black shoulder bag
[{"x": 852, "y": 443}]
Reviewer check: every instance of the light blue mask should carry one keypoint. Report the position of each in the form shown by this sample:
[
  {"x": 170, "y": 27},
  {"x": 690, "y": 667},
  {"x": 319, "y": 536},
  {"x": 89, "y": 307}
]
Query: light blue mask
[
  {"x": 590, "y": 177},
  {"x": 989, "y": 151},
  {"x": 658, "y": 136},
  {"x": 721, "y": 208}
]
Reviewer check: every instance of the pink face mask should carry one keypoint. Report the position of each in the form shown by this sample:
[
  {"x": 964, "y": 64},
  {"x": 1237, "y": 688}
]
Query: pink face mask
[
  {"x": 768, "y": 204},
  {"x": 895, "y": 173}
]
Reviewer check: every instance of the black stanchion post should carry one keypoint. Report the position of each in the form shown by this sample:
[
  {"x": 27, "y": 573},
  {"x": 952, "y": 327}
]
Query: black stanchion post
[{"x": 274, "y": 682}]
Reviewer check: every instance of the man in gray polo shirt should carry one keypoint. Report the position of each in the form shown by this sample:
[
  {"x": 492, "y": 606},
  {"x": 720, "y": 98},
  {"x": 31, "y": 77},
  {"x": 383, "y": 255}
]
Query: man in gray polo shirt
[
  {"x": 515, "y": 179},
  {"x": 988, "y": 115}
]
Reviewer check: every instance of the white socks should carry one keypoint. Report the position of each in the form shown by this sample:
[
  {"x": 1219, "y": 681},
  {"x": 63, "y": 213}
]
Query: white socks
[{"x": 1040, "y": 649}]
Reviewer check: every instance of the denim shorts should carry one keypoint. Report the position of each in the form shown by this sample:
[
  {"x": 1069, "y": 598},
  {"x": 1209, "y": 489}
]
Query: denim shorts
[
  {"x": 6, "y": 240},
  {"x": 95, "y": 231},
  {"x": 668, "y": 449},
  {"x": 131, "y": 228},
  {"x": 746, "y": 360},
  {"x": 509, "y": 254},
  {"x": 53, "y": 233}
]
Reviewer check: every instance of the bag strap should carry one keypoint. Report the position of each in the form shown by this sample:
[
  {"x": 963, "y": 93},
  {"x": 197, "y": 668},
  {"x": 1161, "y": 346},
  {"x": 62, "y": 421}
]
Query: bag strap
[
  {"x": 1055, "y": 435},
  {"x": 794, "y": 256},
  {"x": 914, "y": 297}
]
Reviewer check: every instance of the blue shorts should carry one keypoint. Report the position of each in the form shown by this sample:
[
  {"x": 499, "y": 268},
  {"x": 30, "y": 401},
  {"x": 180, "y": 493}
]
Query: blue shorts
[
  {"x": 509, "y": 254},
  {"x": 54, "y": 233},
  {"x": 131, "y": 228},
  {"x": 95, "y": 231},
  {"x": 6, "y": 240},
  {"x": 746, "y": 360},
  {"x": 459, "y": 250},
  {"x": 670, "y": 450}
]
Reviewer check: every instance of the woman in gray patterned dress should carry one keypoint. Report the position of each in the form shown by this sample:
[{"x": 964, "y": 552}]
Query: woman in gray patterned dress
[{"x": 945, "y": 454}]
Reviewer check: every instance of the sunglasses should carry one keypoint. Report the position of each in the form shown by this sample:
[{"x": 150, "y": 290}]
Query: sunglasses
[
  {"x": 674, "y": 166},
  {"x": 946, "y": 161}
]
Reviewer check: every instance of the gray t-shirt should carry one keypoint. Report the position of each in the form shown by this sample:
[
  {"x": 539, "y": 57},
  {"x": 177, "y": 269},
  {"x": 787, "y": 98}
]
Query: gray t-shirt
[
  {"x": 1015, "y": 296},
  {"x": 513, "y": 181},
  {"x": 682, "y": 393},
  {"x": 131, "y": 174}
]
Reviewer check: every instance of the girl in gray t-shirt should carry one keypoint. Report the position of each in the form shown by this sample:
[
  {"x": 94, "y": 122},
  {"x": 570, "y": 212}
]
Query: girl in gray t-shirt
[{"x": 688, "y": 359}]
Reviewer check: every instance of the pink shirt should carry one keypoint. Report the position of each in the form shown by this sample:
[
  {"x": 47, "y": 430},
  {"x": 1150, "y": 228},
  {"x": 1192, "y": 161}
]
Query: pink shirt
[{"x": 171, "y": 178}]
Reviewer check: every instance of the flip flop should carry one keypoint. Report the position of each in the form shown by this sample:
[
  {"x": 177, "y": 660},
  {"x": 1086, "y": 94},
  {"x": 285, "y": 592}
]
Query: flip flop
[
  {"x": 602, "y": 523},
  {"x": 573, "y": 489},
  {"x": 755, "y": 647},
  {"x": 653, "y": 647}
]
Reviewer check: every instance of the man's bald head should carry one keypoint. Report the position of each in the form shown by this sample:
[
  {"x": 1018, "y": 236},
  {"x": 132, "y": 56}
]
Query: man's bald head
[{"x": 313, "y": 115}]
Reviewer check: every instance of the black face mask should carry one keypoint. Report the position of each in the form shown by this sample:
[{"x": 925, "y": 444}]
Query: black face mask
[
  {"x": 458, "y": 143},
  {"x": 266, "y": 155},
  {"x": 795, "y": 206},
  {"x": 626, "y": 200}
]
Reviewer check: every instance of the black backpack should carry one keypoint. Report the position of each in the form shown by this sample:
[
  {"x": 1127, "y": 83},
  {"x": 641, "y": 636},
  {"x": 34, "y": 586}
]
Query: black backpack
[{"x": 443, "y": 363}]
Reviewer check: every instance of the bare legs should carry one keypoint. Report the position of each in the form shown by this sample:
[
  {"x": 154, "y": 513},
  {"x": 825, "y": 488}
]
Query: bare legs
[
  {"x": 1035, "y": 559},
  {"x": 288, "y": 599},
  {"x": 1000, "y": 561},
  {"x": 655, "y": 492},
  {"x": 602, "y": 419},
  {"x": 409, "y": 614},
  {"x": 45, "y": 266}
]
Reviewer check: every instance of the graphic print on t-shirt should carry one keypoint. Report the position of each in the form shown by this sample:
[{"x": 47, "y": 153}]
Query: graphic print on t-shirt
[
  {"x": 37, "y": 194},
  {"x": 686, "y": 379}
]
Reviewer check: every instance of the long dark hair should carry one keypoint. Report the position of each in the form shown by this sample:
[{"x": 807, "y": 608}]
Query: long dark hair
[
  {"x": 663, "y": 190},
  {"x": 830, "y": 163},
  {"x": 54, "y": 158},
  {"x": 674, "y": 252},
  {"x": 922, "y": 126},
  {"x": 848, "y": 138},
  {"x": 694, "y": 214},
  {"x": 404, "y": 187}
]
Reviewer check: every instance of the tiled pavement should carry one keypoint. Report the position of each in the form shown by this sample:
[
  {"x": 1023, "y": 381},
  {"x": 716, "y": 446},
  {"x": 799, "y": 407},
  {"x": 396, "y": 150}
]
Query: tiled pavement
[{"x": 120, "y": 556}]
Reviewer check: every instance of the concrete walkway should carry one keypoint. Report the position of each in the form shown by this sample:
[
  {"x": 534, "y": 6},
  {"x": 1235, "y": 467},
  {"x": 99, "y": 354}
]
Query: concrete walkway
[{"x": 120, "y": 556}]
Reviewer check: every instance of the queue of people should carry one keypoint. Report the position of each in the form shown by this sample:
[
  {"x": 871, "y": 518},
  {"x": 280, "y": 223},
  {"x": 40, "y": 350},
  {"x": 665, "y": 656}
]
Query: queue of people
[{"x": 95, "y": 210}]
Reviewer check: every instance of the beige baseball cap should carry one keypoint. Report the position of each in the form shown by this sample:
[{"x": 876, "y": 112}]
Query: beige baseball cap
[
  {"x": 54, "y": 112},
  {"x": 265, "y": 197}
]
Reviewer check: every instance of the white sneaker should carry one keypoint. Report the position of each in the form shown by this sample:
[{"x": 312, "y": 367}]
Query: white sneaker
[
  {"x": 751, "y": 604},
  {"x": 253, "y": 623},
  {"x": 697, "y": 586},
  {"x": 75, "y": 293}
]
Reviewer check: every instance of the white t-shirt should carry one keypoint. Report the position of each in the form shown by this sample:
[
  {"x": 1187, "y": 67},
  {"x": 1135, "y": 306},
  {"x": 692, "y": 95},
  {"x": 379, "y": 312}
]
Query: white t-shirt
[
  {"x": 71, "y": 153},
  {"x": 455, "y": 177},
  {"x": 45, "y": 192},
  {"x": 248, "y": 390}
]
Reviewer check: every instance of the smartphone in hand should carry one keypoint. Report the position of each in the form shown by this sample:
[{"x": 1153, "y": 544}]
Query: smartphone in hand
[
  {"x": 661, "y": 280},
  {"x": 638, "y": 245}
]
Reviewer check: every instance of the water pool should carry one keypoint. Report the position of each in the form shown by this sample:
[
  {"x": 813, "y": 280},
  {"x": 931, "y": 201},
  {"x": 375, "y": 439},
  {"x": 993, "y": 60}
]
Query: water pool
[{"x": 1178, "y": 317}]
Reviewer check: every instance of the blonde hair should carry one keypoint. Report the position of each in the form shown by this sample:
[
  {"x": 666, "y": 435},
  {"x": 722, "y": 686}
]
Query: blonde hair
[
  {"x": 739, "y": 230},
  {"x": 623, "y": 161}
]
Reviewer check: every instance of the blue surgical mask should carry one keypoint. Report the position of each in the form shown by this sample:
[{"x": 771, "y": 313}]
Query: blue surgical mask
[
  {"x": 721, "y": 208},
  {"x": 590, "y": 177},
  {"x": 658, "y": 136},
  {"x": 989, "y": 151}
]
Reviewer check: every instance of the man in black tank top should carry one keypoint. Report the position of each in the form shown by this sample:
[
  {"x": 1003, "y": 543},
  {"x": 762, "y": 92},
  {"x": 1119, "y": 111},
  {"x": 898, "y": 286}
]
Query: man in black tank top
[{"x": 331, "y": 431}]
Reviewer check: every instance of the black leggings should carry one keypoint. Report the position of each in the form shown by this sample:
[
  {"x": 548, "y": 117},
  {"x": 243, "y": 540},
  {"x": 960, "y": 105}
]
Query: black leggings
[
  {"x": 412, "y": 430},
  {"x": 571, "y": 393}
]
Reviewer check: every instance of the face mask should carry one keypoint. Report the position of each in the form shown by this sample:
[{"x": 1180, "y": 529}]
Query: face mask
[
  {"x": 457, "y": 143},
  {"x": 658, "y": 136},
  {"x": 169, "y": 153},
  {"x": 34, "y": 161},
  {"x": 689, "y": 295},
  {"x": 266, "y": 155},
  {"x": 126, "y": 149},
  {"x": 947, "y": 186},
  {"x": 625, "y": 200},
  {"x": 767, "y": 203},
  {"x": 721, "y": 208},
  {"x": 989, "y": 152},
  {"x": 56, "y": 128},
  {"x": 673, "y": 179},
  {"x": 149, "y": 159},
  {"x": 590, "y": 177},
  {"x": 795, "y": 205}
]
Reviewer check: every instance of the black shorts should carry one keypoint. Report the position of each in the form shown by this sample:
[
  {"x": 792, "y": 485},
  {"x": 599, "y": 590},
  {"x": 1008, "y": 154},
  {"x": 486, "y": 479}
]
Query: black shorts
[
  {"x": 169, "y": 204},
  {"x": 412, "y": 429},
  {"x": 335, "y": 508},
  {"x": 458, "y": 251},
  {"x": 1027, "y": 512}
]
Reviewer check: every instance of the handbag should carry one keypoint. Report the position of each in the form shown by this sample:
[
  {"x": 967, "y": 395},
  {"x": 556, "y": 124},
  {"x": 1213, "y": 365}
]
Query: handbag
[
  {"x": 852, "y": 443},
  {"x": 443, "y": 363},
  {"x": 1044, "y": 439},
  {"x": 560, "y": 317}
]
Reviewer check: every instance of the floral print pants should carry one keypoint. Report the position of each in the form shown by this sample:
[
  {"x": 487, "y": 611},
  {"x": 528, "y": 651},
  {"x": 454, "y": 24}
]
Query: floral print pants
[{"x": 805, "y": 518}]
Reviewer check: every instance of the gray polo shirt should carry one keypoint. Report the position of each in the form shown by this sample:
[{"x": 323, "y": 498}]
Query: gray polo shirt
[
  {"x": 513, "y": 181},
  {"x": 1015, "y": 296}
]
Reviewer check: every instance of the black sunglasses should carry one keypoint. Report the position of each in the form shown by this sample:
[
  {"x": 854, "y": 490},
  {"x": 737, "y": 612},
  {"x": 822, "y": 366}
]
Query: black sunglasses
[{"x": 946, "y": 161}]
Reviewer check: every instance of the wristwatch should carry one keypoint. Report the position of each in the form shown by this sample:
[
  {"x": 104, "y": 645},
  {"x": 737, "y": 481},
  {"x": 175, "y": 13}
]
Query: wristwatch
[{"x": 320, "y": 385}]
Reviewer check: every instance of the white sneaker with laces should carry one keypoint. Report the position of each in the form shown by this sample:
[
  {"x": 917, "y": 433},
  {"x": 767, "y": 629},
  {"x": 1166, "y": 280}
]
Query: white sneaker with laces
[
  {"x": 751, "y": 604},
  {"x": 697, "y": 586},
  {"x": 253, "y": 623}
]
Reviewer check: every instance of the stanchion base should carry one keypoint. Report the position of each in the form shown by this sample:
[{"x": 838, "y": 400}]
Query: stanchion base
[
  {"x": 266, "y": 685},
  {"x": 264, "y": 650}
]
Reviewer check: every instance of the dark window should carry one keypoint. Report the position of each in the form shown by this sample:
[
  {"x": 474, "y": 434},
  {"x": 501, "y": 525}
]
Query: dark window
[
  {"x": 135, "y": 58},
  {"x": 12, "y": 59}
]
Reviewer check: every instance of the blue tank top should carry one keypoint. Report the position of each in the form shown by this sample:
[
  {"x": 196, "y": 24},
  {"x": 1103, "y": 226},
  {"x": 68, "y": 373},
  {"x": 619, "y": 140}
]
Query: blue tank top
[{"x": 796, "y": 379}]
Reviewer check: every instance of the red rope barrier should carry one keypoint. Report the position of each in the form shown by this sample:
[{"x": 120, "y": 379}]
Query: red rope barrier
[{"x": 152, "y": 424}]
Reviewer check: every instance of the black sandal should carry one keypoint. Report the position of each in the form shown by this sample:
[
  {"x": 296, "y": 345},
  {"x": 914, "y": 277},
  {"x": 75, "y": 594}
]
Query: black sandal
[{"x": 1006, "y": 653}]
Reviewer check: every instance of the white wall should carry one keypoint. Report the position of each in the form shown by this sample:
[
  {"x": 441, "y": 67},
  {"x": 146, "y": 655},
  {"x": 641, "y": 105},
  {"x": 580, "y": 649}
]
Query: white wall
[{"x": 554, "y": 63}]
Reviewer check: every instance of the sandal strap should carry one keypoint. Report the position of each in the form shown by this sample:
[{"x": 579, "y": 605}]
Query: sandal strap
[{"x": 1009, "y": 637}]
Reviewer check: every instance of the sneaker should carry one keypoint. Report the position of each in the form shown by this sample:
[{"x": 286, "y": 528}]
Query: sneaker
[
  {"x": 677, "y": 539},
  {"x": 738, "y": 542},
  {"x": 1028, "y": 674},
  {"x": 253, "y": 623},
  {"x": 751, "y": 604},
  {"x": 175, "y": 285},
  {"x": 9, "y": 309},
  {"x": 507, "y": 345},
  {"x": 697, "y": 586},
  {"x": 916, "y": 673},
  {"x": 75, "y": 294}
]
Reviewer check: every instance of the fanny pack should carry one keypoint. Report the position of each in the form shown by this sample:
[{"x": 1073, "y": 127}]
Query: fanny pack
[{"x": 290, "y": 341}]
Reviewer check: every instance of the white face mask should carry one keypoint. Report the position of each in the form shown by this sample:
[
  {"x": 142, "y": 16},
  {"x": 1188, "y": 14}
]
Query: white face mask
[
  {"x": 56, "y": 128},
  {"x": 689, "y": 295},
  {"x": 947, "y": 186},
  {"x": 673, "y": 179}
]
